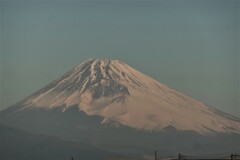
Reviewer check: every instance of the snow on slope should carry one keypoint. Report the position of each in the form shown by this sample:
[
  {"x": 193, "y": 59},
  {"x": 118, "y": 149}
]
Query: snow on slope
[{"x": 121, "y": 94}]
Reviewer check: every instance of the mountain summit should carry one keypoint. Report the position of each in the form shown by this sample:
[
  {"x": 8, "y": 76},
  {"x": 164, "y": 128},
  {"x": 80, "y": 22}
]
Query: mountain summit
[{"x": 121, "y": 95}]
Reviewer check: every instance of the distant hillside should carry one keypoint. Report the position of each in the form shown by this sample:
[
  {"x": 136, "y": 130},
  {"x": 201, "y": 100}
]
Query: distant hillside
[{"x": 20, "y": 145}]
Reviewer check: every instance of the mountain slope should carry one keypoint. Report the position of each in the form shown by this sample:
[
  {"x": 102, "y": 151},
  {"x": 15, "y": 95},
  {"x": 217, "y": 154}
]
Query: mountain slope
[
  {"x": 122, "y": 95},
  {"x": 77, "y": 126},
  {"x": 18, "y": 145}
]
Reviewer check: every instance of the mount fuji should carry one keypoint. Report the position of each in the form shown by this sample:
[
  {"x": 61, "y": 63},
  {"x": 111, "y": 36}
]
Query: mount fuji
[{"x": 110, "y": 105}]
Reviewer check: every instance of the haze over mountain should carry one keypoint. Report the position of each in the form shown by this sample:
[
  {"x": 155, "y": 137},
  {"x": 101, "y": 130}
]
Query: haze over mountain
[{"x": 106, "y": 102}]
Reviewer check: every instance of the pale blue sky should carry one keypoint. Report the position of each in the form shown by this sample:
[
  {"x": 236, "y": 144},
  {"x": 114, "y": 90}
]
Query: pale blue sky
[{"x": 192, "y": 46}]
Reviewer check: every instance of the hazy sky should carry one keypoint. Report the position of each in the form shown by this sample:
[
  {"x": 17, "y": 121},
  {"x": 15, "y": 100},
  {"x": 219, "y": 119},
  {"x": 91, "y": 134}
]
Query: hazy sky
[{"x": 192, "y": 46}]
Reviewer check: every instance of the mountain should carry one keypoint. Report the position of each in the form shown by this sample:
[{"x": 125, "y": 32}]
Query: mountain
[
  {"x": 120, "y": 94},
  {"x": 108, "y": 104},
  {"x": 18, "y": 145}
]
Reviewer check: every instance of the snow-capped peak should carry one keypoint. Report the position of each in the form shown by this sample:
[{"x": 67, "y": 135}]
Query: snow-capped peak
[{"x": 120, "y": 94}]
